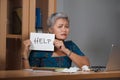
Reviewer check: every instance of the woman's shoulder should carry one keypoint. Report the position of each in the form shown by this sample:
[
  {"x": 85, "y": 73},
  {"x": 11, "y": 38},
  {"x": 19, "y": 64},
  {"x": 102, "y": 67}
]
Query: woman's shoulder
[
  {"x": 73, "y": 47},
  {"x": 69, "y": 42}
]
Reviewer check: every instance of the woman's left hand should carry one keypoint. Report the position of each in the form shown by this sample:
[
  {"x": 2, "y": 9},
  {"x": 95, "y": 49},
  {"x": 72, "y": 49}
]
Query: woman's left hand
[{"x": 59, "y": 44}]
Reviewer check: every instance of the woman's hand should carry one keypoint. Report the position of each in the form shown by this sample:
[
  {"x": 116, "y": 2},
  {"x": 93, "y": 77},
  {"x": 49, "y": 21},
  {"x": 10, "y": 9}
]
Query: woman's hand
[
  {"x": 59, "y": 45},
  {"x": 26, "y": 44}
]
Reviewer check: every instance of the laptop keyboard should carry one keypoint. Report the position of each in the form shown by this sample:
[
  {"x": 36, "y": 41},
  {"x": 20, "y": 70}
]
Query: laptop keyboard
[{"x": 97, "y": 68}]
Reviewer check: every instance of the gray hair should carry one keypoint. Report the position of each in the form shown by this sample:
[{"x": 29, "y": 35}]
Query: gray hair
[{"x": 52, "y": 19}]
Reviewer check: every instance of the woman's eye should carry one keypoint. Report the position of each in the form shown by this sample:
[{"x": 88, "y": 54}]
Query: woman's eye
[
  {"x": 67, "y": 26},
  {"x": 59, "y": 26}
]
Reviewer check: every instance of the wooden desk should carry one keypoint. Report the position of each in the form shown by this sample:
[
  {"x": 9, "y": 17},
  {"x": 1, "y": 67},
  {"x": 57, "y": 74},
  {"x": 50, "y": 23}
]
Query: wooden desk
[{"x": 27, "y": 75}]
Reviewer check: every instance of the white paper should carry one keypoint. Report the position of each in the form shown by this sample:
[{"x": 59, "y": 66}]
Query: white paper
[
  {"x": 85, "y": 68},
  {"x": 42, "y": 41},
  {"x": 71, "y": 69}
]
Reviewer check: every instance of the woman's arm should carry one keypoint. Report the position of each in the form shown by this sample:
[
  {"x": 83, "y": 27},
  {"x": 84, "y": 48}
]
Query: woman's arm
[
  {"x": 77, "y": 59},
  {"x": 25, "y": 54}
]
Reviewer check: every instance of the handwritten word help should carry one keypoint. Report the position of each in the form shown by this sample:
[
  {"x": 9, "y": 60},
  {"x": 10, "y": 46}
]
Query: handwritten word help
[
  {"x": 42, "y": 41},
  {"x": 39, "y": 40}
]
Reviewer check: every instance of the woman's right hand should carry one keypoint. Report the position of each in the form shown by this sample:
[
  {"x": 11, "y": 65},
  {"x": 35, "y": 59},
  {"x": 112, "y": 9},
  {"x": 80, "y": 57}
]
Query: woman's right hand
[{"x": 26, "y": 44}]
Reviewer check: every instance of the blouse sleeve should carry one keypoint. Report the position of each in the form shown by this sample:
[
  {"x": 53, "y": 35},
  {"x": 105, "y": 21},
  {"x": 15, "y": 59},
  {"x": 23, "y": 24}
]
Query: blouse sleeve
[
  {"x": 74, "y": 48},
  {"x": 34, "y": 60}
]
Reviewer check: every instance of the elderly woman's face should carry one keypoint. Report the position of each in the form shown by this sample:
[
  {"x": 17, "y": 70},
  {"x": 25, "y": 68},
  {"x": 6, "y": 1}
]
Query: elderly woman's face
[{"x": 61, "y": 29}]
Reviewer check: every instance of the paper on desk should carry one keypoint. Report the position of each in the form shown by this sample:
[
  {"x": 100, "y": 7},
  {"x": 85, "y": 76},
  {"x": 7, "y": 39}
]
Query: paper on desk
[
  {"x": 42, "y": 41},
  {"x": 31, "y": 70},
  {"x": 85, "y": 68},
  {"x": 71, "y": 69}
]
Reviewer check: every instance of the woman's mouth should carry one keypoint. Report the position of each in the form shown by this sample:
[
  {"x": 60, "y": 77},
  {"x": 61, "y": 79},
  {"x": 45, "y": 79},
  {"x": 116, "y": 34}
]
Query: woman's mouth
[{"x": 63, "y": 34}]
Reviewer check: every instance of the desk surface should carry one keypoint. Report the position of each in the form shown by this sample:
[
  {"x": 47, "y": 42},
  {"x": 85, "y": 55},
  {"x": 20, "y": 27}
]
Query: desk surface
[{"x": 47, "y": 75}]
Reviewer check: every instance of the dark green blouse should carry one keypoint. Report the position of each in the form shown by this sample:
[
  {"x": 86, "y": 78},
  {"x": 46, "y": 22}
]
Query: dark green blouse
[{"x": 45, "y": 59}]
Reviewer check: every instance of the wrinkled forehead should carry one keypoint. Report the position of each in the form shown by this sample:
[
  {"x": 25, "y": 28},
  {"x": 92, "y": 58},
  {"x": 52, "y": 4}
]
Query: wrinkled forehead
[{"x": 62, "y": 21}]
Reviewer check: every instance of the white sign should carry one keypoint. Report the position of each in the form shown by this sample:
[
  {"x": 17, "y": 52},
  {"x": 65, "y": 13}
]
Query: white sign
[{"x": 42, "y": 41}]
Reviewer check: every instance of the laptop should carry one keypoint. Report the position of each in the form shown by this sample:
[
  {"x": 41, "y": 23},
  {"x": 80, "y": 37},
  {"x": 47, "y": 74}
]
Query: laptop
[
  {"x": 113, "y": 63},
  {"x": 114, "y": 59}
]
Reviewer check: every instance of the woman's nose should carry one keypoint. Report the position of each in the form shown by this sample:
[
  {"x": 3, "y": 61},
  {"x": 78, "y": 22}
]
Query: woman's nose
[{"x": 64, "y": 28}]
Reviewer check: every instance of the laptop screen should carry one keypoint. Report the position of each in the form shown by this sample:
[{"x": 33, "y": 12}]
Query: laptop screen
[{"x": 114, "y": 59}]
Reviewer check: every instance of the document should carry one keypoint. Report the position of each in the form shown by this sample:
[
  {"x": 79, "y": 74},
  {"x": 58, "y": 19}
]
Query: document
[{"x": 42, "y": 41}]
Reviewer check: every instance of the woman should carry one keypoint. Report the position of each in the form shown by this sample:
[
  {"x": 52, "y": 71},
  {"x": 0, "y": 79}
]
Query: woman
[{"x": 65, "y": 52}]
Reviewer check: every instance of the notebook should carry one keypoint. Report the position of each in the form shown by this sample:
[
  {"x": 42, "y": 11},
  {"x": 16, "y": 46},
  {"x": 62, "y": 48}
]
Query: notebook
[{"x": 113, "y": 63}]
